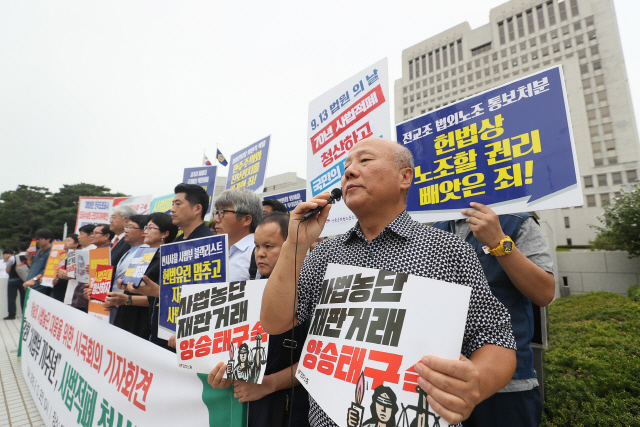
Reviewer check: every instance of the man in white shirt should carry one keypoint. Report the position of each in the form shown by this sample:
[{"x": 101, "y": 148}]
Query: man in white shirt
[
  {"x": 6, "y": 256},
  {"x": 238, "y": 212}
]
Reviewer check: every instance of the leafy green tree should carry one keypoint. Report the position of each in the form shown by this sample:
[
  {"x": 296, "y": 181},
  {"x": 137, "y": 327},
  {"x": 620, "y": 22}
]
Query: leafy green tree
[
  {"x": 27, "y": 209},
  {"x": 621, "y": 230}
]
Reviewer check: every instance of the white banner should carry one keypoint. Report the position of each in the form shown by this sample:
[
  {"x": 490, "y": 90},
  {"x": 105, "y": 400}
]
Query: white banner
[
  {"x": 369, "y": 329},
  {"x": 350, "y": 112},
  {"x": 220, "y": 322},
  {"x": 82, "y": 371}
]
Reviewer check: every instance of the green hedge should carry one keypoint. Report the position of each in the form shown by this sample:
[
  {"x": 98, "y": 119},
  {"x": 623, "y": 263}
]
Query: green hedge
[
  {"x": 633, "y": 292},
  {"x": 592, "y": 367}
]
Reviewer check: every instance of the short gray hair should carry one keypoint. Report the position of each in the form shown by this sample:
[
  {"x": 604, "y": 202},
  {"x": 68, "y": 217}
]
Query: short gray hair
[
  {"x": 404, "y": 159},
  {"x": 244, "y": 201},
  {"x": 126, "y": 212}
]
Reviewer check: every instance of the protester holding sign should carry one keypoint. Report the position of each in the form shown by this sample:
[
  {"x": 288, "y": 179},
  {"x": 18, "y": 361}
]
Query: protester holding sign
[
  {"x": 270, "y": 401},
  {"x": 375, "y": 185},
  {"x": 61, "y": 281},
  {"x": 238, "y": 212},
  {"x": 519, "y": 271},
  {"x": 159, "y": 230},
  {"x": 84, "y": 243},
  {"x": 43, "y": 238}
]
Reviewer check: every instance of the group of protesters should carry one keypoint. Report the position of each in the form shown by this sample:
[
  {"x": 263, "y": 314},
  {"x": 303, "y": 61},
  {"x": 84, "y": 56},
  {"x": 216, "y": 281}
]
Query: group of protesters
[{"x": 493, "y": 382}]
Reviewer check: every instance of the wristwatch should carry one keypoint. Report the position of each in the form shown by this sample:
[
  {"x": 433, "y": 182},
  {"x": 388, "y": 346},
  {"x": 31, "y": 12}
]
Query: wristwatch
[
  {"x": 128, "y": 301},
  {"x": 505, "y": 247}
]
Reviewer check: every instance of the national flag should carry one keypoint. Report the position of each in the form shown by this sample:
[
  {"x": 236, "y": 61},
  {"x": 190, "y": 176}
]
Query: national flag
[
  {"x": 221, "y": 159},
  {"x": 205, "y": 160}
]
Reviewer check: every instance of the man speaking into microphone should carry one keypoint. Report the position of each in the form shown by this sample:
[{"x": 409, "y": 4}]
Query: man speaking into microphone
[{"x": 376, "y": 181}]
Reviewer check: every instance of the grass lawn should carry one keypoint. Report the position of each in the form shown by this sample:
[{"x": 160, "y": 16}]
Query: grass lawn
[{"x": 592, "y": 367}]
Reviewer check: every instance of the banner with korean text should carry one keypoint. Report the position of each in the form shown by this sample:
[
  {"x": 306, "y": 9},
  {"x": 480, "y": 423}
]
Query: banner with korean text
[
  {"x": 221, "y": 323},
  {"x": 290, "y": 199},
  {"x": 97, "y": 257},
  {"x": 510, "y": 147},
  {"x": 249, "y": 166},
  {"x": 84, "y": 372},
  {"x": 369, "y": 329},
  {"x": 204, "y": 176},
  {"x": 188, "y": 262},
  {"x": 350, "y": 112},
  {"x": 93, "y": 210},
  {"x": 56, "y": 256},
  {"x": 140, "y": 203},
  {"x": 162, "y": 204}
]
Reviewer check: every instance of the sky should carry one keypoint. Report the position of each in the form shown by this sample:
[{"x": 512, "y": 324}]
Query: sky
[{"x": 126, "y": 94}]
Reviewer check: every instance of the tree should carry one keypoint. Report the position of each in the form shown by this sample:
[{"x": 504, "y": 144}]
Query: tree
[
  {"x": 27, "y": 209},
  {"x": 621, "y": 221}
]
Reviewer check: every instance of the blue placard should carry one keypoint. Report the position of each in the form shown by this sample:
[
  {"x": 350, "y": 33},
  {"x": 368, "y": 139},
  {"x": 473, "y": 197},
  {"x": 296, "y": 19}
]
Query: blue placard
[
  {"x": 204, "y": 176},
  {"x": 290, "y": 199},
  {"x": 189, "y": 262},
  {"x": 507, "y": 144},
  {"x": 162, "y": 204},
  {"x": 138, "y": 266},
  {"x": 248, "y": 167}
]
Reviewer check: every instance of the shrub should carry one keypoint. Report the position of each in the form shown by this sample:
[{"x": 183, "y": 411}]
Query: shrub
[
  {"x": 634, "y": 293},
  {"x": 592, "y": 367}
]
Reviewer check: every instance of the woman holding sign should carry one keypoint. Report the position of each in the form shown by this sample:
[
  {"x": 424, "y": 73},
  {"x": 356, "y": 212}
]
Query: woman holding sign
[{"x": 159, "y": 230}]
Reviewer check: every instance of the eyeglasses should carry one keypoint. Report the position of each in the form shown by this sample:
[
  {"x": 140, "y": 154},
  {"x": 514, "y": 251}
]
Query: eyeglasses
[
  {"x": 221, "y": 213},
  {"x": 148, "y": 227},
  {"x": 131, "y": 227},
  {"x": 95, "y": 233}
]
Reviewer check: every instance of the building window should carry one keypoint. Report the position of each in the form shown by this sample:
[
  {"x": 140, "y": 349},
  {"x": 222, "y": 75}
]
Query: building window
[
  {"x": 589, "y": 21},
  {"x": 598, "y": 162},
  {"x": 632, "y": 176},
  {"x": 568, "y": 244},
  {"x": 469, "y": 66},
  {"x": 602, "y": 95},
  {"x": 591, "y": 200},
  {"x": 593, "y": 130},
  {"x": 599, "y": 80},
  {"x": 514, "y": 62},
  {"x": 486, "y": 59},
  {"x": 532, "y": 42},
  {"x": 424, "y": 65},
  {"x": 582, "y": 54},
  {"x": 588, "y": 99},
  {"x": 496, "y": 69},
  {"x": 588, "y": 181},
  {"x": 594, "y": 50},
  {"x": 577, "y": 26},
  {"x": 481, "y": 49},
  {"x": 616, "y": 177},
  {"x": 566, "y": 222},
  {"x": 534, "y": 55},
  {"x": 574, "y": 8},
  {"x": 505, "y": 65},
  {"x": 584, "y": 68},
  {"x": 596, "y": 65},
  {"x": 562, "y": 8},
  {"x": 513, "y": 50},
  {"x": 460, "y": 58},
  {"x": 405, "y": 100},
  {"x": 552, "y": 13},
  {"x": 595, "y": 147},
  {"x": 604, "y": 199},
  {"x": 452, "y": 54},
  {"x": 444, "y": 56},
  {"x": 530, "y": 21},
  {"x": 411, "y": 98},
  {"x": 524, "y": 59},
  {"x": 431, "y": 63},
  {"x": 545, "y": 51},
  {"x": 554, "y": 34},
  {"x": 604, "y": 112},
  {"x": 478, "y": 75},
  {"x": 591, "y": 114},
  {"x": 437, "y": 52},
  {"x": 613, "y": 160},
  {"x": 462, "y": 80},
  {"x": 592, "y": 35},
  {"x": 543, "y": 38},
  {"x": 540, "y": 17},
  {"x": 411, "y": 70},
  {"x": 586, "y": 83},
  {"x": 602, "y": 180},
  {"x": 567, "y": 44},
  {"x": 617, "y": 195},
  {"x": 607, "y": 128},
  {"x": 556, "y": 48},
  {"x": 406, "y": 111},
  {"x": 470, "y": 77},
  {"x": 579, "y": 39},
  {"x": 510, "y": 29},
  {"x": 565, "y": 30},
  {"x": 520, "y": 25},
  {"x": 501, "y": 32},
  {"x": 404, "y": 89}
]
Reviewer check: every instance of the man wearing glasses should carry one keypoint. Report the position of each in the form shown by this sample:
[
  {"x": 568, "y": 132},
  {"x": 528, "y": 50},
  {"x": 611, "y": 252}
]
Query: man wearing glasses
[
  {"x": 43, "y": 243},
  {"x": 117, "y": 222},
  {"x": 238, "y": 212},
  {"x": 101, "y": 236}
]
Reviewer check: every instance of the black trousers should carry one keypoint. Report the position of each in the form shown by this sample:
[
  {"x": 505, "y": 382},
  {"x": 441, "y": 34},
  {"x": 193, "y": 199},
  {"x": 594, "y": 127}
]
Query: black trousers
[{"x": 14, "y": 286}]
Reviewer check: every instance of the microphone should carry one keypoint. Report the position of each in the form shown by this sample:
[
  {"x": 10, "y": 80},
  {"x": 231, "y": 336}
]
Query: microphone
[{"x": 336, "y": 195}]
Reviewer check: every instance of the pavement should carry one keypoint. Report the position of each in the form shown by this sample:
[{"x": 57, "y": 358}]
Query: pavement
[{"x": 18, "y": 409}]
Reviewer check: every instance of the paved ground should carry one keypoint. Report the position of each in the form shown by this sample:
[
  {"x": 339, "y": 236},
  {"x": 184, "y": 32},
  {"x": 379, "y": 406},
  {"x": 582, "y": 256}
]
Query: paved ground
[{"x": 18, "y": 408}]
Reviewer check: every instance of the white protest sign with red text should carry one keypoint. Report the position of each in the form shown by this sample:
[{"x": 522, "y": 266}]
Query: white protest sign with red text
[{"x": 369, "y": 329}]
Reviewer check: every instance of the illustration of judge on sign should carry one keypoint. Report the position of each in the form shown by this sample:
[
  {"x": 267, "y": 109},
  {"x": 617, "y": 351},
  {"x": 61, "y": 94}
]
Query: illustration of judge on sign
[{"x": 250, "y": 362}]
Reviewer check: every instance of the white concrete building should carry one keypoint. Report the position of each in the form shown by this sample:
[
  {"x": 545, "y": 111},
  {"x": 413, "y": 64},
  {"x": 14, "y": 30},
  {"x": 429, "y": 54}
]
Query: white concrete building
[
  {"x": 525, "y": 36},
  {"x": 281, "y": 183}
]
